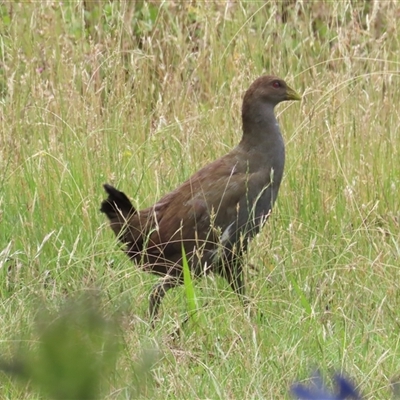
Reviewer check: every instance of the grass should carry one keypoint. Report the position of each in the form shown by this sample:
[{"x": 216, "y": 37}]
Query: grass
[{"x": 142, "y": 96}]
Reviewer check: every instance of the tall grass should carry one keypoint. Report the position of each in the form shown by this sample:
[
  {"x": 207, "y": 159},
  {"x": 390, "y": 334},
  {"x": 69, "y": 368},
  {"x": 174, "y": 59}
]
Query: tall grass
[{"x": 142, "y": 95}]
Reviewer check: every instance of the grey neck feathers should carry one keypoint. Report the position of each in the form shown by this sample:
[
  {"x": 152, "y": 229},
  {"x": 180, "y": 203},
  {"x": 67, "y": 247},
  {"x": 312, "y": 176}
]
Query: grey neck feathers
[{"x": 260, "y": 126}]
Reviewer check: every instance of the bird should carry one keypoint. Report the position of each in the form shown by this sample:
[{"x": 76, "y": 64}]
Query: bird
[{"x": 210, "y": 218}]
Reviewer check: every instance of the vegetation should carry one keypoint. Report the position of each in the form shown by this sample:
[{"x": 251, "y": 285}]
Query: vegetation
[{"x": 141, "y": 95}]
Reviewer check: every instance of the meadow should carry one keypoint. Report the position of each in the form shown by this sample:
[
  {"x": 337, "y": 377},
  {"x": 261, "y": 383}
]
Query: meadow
[{"x": 141, "y": 95}]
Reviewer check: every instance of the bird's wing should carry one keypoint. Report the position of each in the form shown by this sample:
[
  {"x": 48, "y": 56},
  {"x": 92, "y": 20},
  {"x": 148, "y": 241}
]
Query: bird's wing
[{"x": 213, "y": 205}]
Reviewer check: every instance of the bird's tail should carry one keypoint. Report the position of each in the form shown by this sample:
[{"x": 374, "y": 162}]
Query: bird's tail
[{"x": 117, "y": 207}]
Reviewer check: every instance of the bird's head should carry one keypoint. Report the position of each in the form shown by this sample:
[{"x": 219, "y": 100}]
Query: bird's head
[{"x": 270, "y": 89}]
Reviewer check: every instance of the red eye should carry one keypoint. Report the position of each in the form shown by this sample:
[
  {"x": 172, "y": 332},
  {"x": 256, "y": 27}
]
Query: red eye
[{"x": 276, "y": 84}]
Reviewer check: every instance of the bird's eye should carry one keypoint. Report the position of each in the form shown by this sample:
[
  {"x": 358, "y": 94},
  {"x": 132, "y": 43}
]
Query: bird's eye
[{"x": 276, "y": 84}]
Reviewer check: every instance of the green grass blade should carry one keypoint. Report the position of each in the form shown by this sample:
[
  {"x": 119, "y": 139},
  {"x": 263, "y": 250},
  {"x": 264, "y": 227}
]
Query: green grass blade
[
  {"x": 188, "y": 283},
  {"x": 303, "y": 300}
]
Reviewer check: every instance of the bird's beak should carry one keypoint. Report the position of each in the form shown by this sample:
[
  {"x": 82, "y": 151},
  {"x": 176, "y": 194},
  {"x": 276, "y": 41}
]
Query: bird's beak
[{"x": 292, "y": 95}]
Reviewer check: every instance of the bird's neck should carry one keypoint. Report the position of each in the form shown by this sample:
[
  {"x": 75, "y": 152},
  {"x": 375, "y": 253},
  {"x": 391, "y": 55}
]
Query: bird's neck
[{"x": 260, "y": 127}]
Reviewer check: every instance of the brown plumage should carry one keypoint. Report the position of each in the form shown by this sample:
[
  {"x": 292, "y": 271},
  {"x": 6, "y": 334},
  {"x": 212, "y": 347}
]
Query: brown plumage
[{"x": 217, "y": 210}]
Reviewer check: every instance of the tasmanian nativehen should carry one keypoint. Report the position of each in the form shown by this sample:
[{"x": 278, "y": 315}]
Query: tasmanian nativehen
[{"x": 212, "y": 216}]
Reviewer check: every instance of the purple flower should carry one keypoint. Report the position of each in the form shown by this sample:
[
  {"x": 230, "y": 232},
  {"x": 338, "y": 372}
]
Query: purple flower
[{"x": 318, "y": 391}]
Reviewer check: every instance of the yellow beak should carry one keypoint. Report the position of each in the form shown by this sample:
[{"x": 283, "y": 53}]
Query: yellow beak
[{"x": 292, "y": 95}]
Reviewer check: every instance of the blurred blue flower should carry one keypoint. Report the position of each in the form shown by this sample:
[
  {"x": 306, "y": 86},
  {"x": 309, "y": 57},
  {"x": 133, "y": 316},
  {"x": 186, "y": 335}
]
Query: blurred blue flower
[{"x": 344, "y": 389}]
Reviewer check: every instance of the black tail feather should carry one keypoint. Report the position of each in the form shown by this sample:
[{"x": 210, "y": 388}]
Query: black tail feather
[{"x": 116, "y": 203}]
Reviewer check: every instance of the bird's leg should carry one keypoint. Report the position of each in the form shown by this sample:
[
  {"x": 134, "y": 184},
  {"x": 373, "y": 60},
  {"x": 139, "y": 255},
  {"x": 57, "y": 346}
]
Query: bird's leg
[
  {"x": 237, "y": 285},
  {"x": 236, "y": 282},
  {"x": 157, "y": 294},
  {"x": 235, "y": 277}
]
